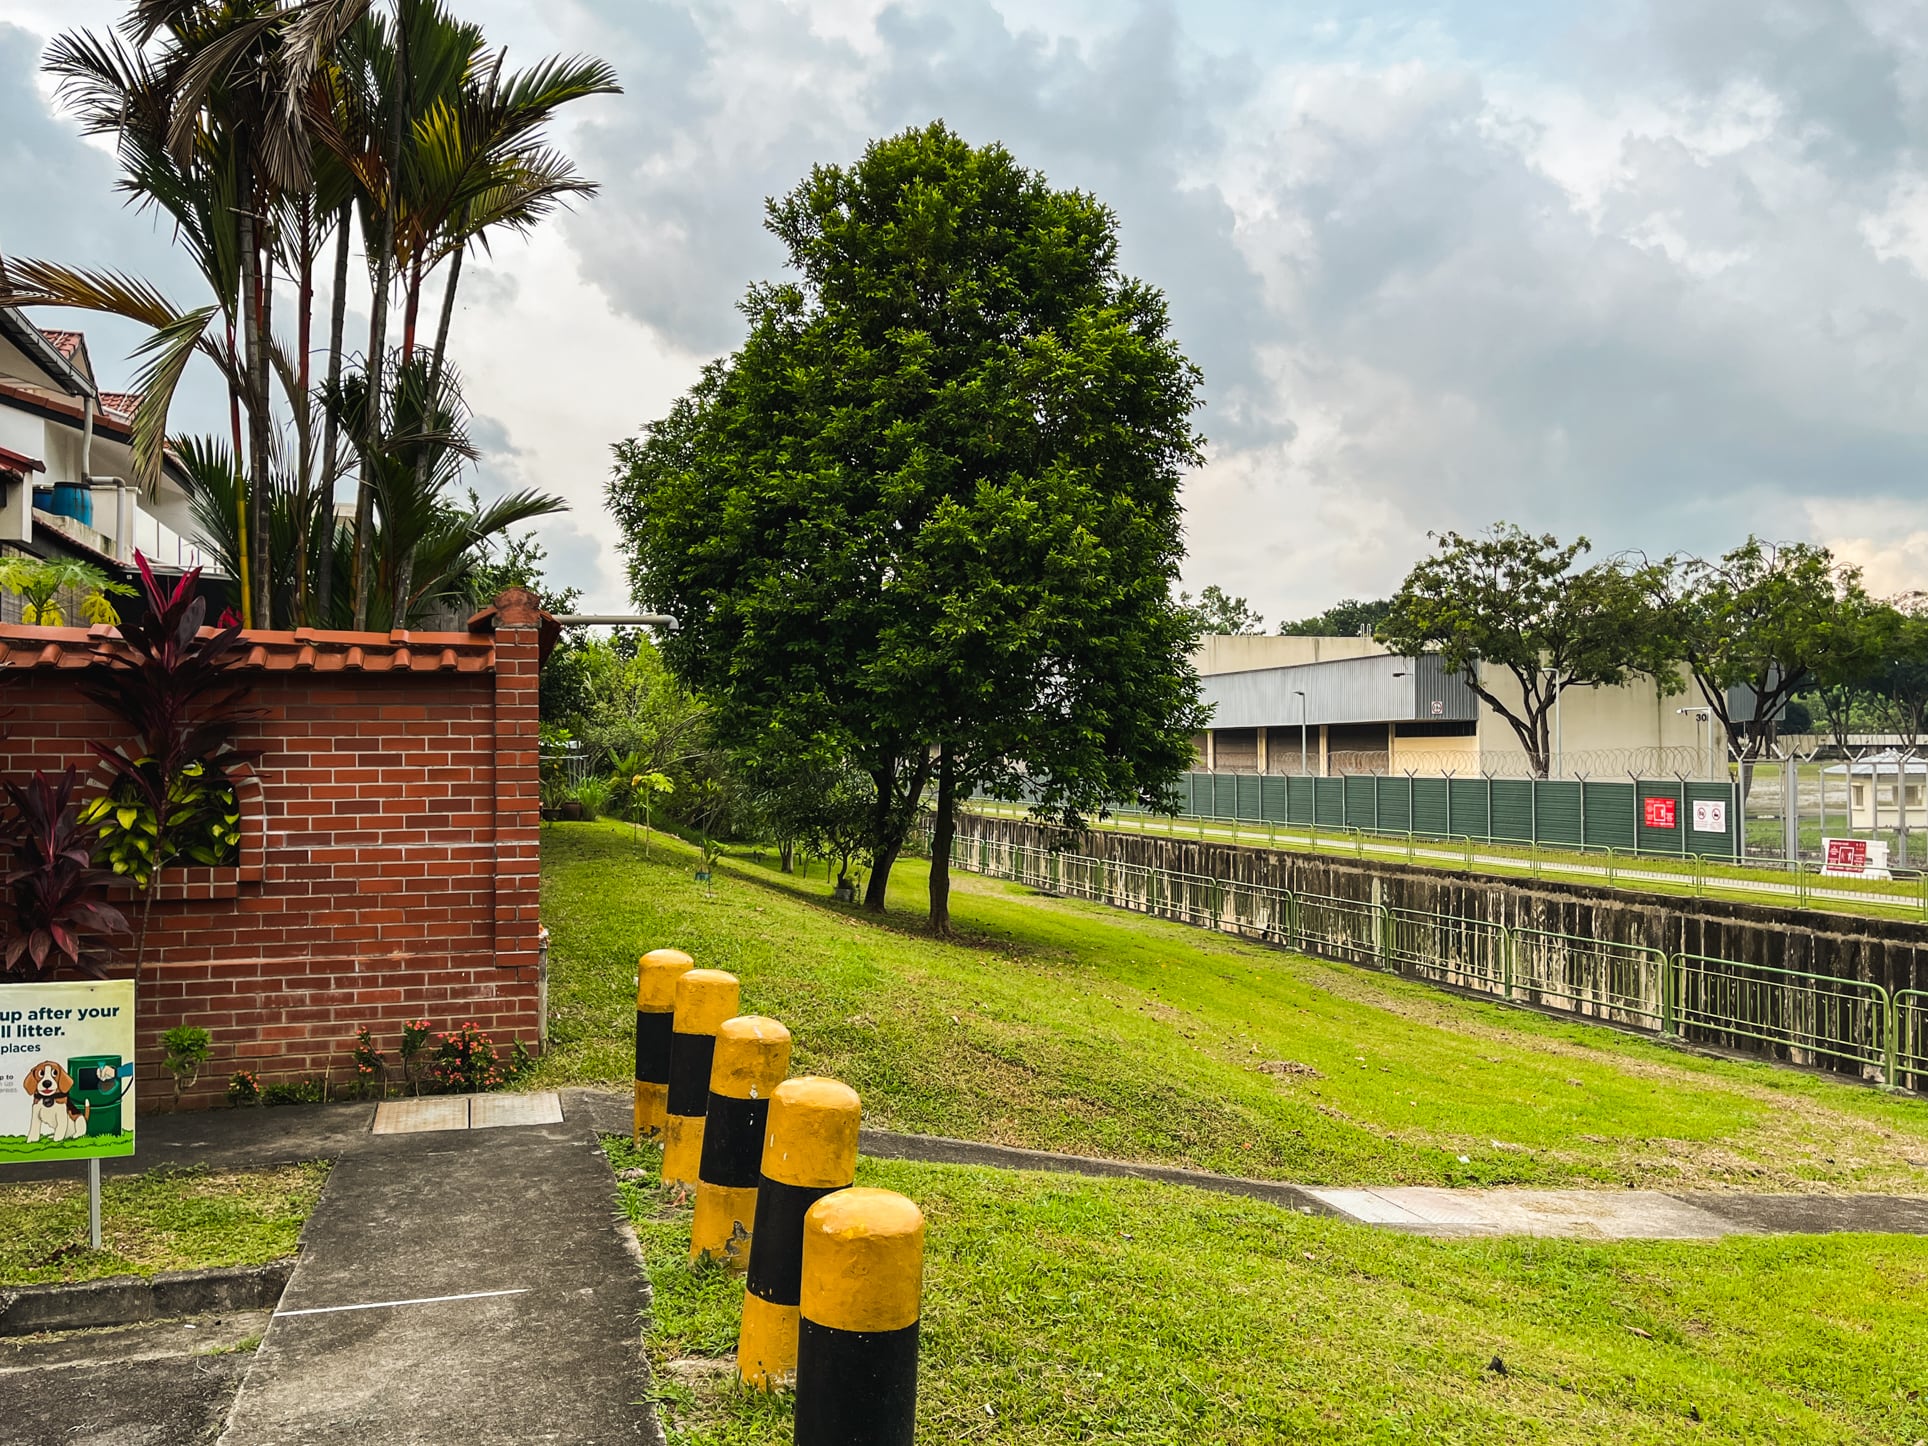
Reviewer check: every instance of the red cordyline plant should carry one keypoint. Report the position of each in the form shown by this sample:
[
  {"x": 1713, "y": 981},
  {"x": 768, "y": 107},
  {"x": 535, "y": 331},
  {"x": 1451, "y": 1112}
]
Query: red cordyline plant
[
  {"x": 179, "y": 698},
  {"x": 60, "y": 919}
]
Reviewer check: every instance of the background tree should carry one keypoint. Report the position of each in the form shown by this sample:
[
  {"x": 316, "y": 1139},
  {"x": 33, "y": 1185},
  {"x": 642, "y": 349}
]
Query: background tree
[
  {"x": 1763, "y": 623},
  {"x": 1216, "y": 613},
  {"x": 1348, "y": 618},
  {"x": 1512, "y": 601},
  {"x": 927, "y": 514},
  {"x": 1900, "y": 683}
]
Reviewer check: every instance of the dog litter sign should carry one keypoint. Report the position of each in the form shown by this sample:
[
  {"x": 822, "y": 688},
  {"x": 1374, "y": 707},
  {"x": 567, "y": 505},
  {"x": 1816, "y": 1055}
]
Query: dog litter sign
[{"x": 66, "y": 1070}]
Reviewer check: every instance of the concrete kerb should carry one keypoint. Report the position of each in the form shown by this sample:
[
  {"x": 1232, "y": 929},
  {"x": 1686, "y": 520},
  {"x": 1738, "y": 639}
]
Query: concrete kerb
[{"x": 130, "y": 1299}]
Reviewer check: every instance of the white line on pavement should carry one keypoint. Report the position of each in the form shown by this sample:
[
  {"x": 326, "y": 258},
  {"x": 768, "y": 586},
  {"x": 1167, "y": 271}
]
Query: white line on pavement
[{"x": 385, "y": 1304}]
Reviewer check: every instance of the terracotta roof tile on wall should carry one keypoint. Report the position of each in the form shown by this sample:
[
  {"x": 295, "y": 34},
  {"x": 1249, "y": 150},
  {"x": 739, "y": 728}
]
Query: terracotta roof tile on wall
[{"x": 305, "y": 649}]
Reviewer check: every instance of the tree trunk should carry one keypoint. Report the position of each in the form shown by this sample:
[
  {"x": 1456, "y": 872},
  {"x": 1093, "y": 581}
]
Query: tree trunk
[
  {"x": 331, "y": 439},
  {"x": 892, "y": 822},
  {"x": 262, "y": 500},
  {"x": 304, "y": 418},
  {"x": 786, "y": 856},
  {"x": 412, "y": 307},
  {"x": 241, "y": 558},
  {"x": 253, "y": 363},
  {"x": 377, "y": 352},
  {"x": 448, "y": 313},
  {"x": 941, "y": 833}
]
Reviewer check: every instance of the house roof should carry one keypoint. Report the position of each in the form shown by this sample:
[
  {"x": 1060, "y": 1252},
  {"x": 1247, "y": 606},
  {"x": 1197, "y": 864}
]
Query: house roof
[
  {"x": 1883, "y": 765},
  {"x": 11, "y": 461},
  {"x": 304, "y": 650},
  {"x": 106, "y": 424},
  {"x": 67, "y": 372},
  {"x": 64, "y": 342},
  {"x": 123, "y": 404}
]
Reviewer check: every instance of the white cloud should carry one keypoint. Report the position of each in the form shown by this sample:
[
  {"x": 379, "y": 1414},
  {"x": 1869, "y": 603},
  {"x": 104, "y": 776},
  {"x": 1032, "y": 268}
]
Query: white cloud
[{"x": 1660, "y": 276}]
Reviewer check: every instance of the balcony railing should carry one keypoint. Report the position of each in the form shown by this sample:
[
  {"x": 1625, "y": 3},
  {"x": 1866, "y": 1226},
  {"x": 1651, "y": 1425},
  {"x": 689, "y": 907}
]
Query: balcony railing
[{"x": 120, "y": 527}]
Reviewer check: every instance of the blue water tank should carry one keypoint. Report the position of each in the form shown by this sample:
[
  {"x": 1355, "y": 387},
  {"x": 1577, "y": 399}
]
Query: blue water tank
[{"x": 75, "y": 500}]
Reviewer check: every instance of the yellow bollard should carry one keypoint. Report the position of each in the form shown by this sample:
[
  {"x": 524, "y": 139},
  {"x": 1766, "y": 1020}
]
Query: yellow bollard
[
  {"x": 863, "y": 1276},
  {"x": 752, "y": 1057},
  {"x": 656, "y": 976},
  {"x": 809, "y": 1151},
  {"x": 704, "y": 999}
]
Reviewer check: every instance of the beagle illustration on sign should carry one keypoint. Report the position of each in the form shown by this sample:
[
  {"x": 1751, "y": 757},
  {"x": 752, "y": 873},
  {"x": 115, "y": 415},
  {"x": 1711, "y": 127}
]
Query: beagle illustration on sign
[{"x": 66, "y": 1070}]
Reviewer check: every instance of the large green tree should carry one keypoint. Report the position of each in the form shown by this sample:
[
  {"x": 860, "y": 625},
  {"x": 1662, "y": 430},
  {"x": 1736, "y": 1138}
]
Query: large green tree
[
  {"x": 1517, "y": 604},
  {"x": 1765, "y": 622},
  {"x": 926, "y": 515}
]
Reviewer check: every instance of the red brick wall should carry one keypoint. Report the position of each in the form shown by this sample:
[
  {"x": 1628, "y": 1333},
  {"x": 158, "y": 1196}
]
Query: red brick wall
[{"x": 389, "y": 862}]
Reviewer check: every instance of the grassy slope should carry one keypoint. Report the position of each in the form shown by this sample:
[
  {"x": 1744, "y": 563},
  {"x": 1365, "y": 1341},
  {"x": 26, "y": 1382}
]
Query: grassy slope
[
  {"x": 1069, "y": 1026},
  {"x": 1058, "y": 1309},
  {"x": 162, "y": 1220}
]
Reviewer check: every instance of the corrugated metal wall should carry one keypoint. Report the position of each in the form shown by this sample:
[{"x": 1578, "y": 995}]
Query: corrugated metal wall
[{"x": 1654, "y": 817}]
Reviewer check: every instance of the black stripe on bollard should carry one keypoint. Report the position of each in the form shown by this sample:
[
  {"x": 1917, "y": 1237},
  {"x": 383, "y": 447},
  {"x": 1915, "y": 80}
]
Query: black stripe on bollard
[
  {"x": 776, "y": 1265},
  {"x": 733, "y": 1142},
  {"x": 856, "y": 1388},
  {"x": 654, "y": 1030},
  {"x": 690, "y": 1057}
]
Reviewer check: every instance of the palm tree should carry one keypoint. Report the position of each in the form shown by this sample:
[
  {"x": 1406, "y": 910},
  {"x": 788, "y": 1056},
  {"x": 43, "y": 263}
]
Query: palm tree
[{"x": 261, "y": 129}]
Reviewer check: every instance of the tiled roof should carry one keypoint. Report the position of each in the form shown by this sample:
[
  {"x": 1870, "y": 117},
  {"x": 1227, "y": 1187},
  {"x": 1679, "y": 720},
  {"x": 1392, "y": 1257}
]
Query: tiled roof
[
  {"x": 20, "y": 462},
  {"x": 64, "y": 342},
  {"x": 122, "y": 403},
  {"x": 304, "y": 650}
]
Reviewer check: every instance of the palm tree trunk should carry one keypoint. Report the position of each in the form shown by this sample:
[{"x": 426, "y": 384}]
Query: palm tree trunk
[
  {"x": 261, "y": 497},
  {"x": 240, "y": 494},
  {"x": 378, "y": 335},
  {"x": 448, "y": 313},
  {"x": 304, "y": 417},
  {"x": 331, "y": 437},
  {"x": 412, "y": 311},
  {"x": 257, "y": 465}
]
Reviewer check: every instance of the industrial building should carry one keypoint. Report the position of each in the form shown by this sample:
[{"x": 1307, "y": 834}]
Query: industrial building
[{"x": 1346, "y": 705}]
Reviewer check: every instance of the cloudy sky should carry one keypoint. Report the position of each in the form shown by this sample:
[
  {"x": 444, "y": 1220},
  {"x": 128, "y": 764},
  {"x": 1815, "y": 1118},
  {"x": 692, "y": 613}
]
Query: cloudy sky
[{"x": 1659, "y": 275}]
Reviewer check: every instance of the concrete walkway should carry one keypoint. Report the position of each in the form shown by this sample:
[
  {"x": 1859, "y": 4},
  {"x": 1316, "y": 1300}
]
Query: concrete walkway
[{"x": 464, "y": 1284}]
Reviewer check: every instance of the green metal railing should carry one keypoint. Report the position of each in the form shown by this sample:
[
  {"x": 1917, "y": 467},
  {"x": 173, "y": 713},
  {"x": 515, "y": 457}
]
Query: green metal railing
[
  {"x": 1805, "y": 1018},
  {"x": 1804, "y": 883}
]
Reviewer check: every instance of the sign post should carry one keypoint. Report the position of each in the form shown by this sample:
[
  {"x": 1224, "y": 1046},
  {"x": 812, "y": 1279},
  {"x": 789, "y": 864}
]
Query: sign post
[{"x": 67, "y": 1076}]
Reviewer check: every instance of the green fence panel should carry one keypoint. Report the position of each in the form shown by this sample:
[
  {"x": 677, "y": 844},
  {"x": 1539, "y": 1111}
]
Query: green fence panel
[
  {"x": 1329, "y": 801},
  {"x": 1468, "y": 798},
  {"x": 1557, "y": 811},
  {"x": 1710, "y": 818},
  {"x": 1611, "y": 815},
  {"x": 1361, "y": 801},
  {"x": 1513, "y": 809},
  {"x": 1660, "y": 817},
  {"x": 1299, "y": 797},
  {"x": 1429, "y": 806},
  {"x": 1224, "y": 796},
  {"x": 1248, "y": 796},
  {"x": 1272, "y": 799},
  {"x": 1395, "y": 800}
]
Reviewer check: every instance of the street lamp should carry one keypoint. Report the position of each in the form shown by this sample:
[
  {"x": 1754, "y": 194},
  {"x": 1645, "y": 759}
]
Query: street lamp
[{"x": 1299, "y": 693}]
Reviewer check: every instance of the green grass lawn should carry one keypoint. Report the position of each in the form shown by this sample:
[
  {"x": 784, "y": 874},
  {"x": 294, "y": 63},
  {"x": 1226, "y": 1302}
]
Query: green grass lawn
[
  {"x": 1062, "y": 1025},
  {"x": 1058, "y": 1309},
  {"x": 161, "y": 1220}
]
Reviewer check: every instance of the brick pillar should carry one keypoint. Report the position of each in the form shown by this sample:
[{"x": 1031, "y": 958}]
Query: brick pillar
[{"x": 516, "y": 619}]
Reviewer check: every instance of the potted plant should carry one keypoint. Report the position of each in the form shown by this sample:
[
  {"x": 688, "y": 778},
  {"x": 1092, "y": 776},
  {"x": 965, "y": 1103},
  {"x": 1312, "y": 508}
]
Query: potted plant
[{"x": 586, "y": 799}]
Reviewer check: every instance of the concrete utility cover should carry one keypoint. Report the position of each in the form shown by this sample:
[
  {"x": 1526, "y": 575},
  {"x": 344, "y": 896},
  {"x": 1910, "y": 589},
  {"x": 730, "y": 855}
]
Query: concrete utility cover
[
  {"x": 1600, "y": 1214},
  {"x": 466, "y": 1112},
  {"x": 488, "y": 1112}
]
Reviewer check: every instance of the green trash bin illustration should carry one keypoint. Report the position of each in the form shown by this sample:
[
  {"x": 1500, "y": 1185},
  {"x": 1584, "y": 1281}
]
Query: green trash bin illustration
[{"x": 100, "y": 1082}]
